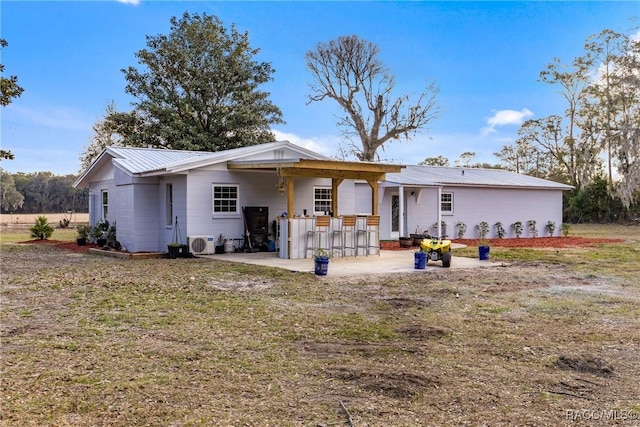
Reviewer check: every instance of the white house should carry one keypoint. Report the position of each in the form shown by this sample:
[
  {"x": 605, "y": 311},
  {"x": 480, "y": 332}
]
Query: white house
[{"x": 145, "y": 191}]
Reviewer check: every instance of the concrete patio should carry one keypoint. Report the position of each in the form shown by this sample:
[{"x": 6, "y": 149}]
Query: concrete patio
[{"x": 387, "y": 262}]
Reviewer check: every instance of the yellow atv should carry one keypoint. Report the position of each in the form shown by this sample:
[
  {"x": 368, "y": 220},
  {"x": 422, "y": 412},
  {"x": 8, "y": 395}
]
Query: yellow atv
[{"x": 437, "y": 250}]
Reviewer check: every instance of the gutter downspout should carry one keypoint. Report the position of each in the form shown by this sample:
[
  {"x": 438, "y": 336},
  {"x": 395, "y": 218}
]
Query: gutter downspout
[
  {"x": 439, "y": 212},
  {"x": 401, "y": 220}
]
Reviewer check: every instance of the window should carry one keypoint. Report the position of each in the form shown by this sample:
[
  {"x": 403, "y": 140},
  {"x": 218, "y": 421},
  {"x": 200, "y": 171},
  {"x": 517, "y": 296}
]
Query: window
[
  {"x": 446, "y": 203},
  {"x": 225, "y": 199},
  {"x": 322, "y": 199},
  {"x": 105, "y": 204},
  {"x": 169, "y": 202}
]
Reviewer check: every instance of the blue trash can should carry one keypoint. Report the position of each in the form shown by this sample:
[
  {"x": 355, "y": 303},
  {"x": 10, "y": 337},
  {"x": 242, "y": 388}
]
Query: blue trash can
[
  {"x": 321, "y": 265},
  {"x": 420, "y": 260},
  {"x": 483, "y": 253}
]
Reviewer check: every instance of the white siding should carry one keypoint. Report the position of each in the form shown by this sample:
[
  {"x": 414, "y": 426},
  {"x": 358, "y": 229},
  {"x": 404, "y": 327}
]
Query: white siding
[{"x": 473, "y": 205}]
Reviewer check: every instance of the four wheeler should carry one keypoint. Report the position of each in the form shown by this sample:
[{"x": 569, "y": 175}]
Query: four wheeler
[{"x": 437, "y": 250}]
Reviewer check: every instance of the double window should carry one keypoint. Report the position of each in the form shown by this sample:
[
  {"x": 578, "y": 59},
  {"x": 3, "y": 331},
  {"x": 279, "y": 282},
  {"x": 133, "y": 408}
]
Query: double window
[{"x": 225, "y": 199}]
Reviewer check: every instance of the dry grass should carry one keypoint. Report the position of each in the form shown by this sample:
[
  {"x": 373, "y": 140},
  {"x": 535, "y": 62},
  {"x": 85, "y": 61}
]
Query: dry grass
[{"x": 99, "y": 341}]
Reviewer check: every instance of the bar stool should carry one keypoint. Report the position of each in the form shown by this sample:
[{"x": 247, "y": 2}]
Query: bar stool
[
  {"x": 320, "y": 228},
  {"x": 363, "y": 236},
  {"x": 347, "y": 228}
]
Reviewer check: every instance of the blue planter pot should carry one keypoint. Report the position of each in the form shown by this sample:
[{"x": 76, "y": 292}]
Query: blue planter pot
[
  {"x": 483, "y": 253},
  {"x": 321, "y": 265},
  {"x": 420, "y": 260}
]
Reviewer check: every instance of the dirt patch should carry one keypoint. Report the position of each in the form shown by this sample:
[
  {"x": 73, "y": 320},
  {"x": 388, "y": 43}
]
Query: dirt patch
[
  {"x": 588, "y": 364},
  {"x": 396, "y": 383},
  {"x": 333, "y": 349},
  {"x": 234, "y": 285},
  {"x": 422, "y": 333}
]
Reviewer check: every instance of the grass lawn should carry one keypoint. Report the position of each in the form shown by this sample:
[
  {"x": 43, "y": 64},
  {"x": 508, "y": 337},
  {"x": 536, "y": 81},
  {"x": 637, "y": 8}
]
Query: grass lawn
[{"x": 550, "y": 339}]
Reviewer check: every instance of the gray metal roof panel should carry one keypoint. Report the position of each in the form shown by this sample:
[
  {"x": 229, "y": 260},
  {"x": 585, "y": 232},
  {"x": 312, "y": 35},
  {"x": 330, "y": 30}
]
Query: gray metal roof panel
[{"x": 457, "y": 176}]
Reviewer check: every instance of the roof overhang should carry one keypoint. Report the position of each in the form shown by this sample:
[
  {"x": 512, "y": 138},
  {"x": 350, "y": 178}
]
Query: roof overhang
[{"x": 313, "y": 168}]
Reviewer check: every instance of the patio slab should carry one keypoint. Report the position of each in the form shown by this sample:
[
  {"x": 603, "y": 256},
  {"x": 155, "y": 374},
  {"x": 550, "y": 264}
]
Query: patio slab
[{"x": 387, "y": 262}]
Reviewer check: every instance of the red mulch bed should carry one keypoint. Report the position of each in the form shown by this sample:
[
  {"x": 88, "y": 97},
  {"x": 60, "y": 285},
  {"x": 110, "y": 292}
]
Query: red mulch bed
[
  {"x": 69, "y": 246},
  {"x": 534, "y": 242}
]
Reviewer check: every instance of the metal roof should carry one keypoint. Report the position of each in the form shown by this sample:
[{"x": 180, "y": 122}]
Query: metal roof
[
  {"x": 468, "y": 177},
  {"x": 139, "y": 160}
]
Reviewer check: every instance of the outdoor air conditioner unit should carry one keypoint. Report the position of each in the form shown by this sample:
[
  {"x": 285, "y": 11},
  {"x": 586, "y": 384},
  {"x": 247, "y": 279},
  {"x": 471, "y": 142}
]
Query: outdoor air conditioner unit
[{"x": 201, "y": 245}]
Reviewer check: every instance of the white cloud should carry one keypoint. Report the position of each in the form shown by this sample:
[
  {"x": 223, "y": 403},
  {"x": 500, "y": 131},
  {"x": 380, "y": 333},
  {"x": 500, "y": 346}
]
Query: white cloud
[
  {"x": 133, "y": 2},
  {"x": 504, "y": 118}
]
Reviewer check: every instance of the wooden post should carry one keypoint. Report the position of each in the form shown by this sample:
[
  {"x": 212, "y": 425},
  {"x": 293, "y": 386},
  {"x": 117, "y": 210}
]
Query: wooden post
[
  {"x": 374, "y": 196},
  {"x": 290, "y": 204},
  {"x": 335, "y": 183}
]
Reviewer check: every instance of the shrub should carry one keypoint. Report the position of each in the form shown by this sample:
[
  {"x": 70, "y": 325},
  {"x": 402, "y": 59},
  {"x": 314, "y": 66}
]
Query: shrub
[
  {"x": 551, "y": 227},
  {"x": 41, "y": 230},
  {"x": 462, "y": 228},
  {"x": 83, "y": 231},
  {"x": 517, "y": 228},
  {"x": 483, "y": 230},
  {"x": 532, "y": 227},
  {"x": 500, "y": 231},
  {"x": 565, "y": 229}
]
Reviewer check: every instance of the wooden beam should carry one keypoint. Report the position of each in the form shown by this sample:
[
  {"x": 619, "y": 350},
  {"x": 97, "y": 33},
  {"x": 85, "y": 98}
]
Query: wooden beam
[{"x": 321, "y": 173}]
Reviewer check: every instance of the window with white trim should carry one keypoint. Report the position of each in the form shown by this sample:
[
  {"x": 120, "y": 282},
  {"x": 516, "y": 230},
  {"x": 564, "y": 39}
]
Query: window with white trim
[
  {"x": 225, "y": 199},
  {"x": 322, "y": 199},
  {"x": 105, "y": 204},
  {"x": 446, "y": 203},
  {"x": 169, "y": 204}
]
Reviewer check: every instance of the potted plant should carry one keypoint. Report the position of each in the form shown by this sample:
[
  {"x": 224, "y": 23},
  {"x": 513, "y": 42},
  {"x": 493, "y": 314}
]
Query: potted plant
[
  {"x": 173, "y": 249},
  {"x": 483, "y": 246},
  {"x": 82, "y": 234},
  {"x": 98, "y": 234},
  {"x": 321, "y": 260},
  {"x": 406, "y": 242},
  {"x": 420, "y": 259}
]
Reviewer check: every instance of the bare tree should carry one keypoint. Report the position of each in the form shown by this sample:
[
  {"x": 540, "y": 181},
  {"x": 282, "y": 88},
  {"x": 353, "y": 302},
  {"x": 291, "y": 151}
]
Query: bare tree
[{"x": 348, "y": 70}]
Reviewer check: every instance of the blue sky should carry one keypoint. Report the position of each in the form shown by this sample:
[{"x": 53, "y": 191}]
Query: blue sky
[{"x": 484, "y": 56}]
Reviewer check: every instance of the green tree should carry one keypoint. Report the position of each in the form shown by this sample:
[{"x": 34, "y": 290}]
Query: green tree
[
  {"x": 465, "y": 158},
  {"x": 198, "y": 90},
  {"x": 9, "y": 89},
  {"x": 104, "y": 135},
  {"x": 11, "y": 198},
  {"x": 349, "y": 71},
  {"x": 613, "y": 108},
  {"x": 41, "y": 230},
  {"x": 435, "y": 161}
]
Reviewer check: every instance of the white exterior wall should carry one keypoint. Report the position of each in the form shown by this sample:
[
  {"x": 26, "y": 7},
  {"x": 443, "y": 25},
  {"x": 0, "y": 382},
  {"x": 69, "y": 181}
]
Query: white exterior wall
[
  {"x": 473, "y": 205},
  {"x": 507, "y": 206}
]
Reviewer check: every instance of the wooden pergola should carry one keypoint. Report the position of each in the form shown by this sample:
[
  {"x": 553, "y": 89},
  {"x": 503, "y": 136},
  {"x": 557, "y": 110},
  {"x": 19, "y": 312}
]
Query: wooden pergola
[{"x": 338, "y": 171}]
